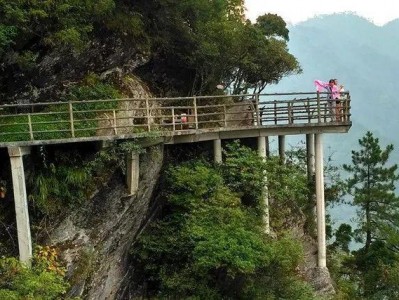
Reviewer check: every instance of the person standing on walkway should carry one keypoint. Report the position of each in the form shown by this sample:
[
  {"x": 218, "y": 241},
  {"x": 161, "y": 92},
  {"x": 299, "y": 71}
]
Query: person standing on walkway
[
  {"x": 338, "y": 101},
  {"x": 333, "y": 94}
]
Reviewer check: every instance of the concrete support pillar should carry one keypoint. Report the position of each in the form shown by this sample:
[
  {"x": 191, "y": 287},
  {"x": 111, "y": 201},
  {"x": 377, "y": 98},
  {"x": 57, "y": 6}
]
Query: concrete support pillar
[
  {"x": 132, "y": 172},
  {"x": 310, "y": 156},
  {"x": 262, "y": 146},
  {"x": 267, "y": 146},
  {"x": 217, "y": 151},
  {"x": 320, "y": 207},
  {"x": 311, "y": 173},
  {"x": 105, "y": 144},
  {"x": 21, "y": 203},
  {"x": 281, "y": 147}
]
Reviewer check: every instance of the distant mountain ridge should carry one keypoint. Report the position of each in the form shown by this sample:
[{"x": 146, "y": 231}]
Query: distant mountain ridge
[{"x": 365, "y": 58}]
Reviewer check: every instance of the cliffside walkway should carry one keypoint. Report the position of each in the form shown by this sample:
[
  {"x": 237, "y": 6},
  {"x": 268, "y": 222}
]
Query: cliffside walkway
[
  {"x": 171, "y": 121},
  {"x": 177, "y": 120}
]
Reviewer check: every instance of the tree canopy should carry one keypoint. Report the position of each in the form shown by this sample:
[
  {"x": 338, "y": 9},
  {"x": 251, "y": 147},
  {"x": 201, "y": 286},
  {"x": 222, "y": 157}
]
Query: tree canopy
[
  {"x": 209, "y": 241},
  {"x": 188, "y": 46},
  {"x": 198, "y": 44}
]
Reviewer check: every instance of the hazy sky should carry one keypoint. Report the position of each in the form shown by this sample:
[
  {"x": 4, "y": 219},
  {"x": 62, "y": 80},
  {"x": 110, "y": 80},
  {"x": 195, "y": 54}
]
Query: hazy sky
[{"x": 294, "y": 11}]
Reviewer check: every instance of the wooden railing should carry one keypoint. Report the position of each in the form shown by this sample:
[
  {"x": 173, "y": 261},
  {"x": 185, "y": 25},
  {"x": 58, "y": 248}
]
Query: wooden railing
[{"x": 168, "y": 116}]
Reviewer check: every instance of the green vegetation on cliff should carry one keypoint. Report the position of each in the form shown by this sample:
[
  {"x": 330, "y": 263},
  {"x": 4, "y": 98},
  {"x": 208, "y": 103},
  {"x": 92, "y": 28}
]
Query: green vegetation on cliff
[
  {"x": 43, "y": 281},
  {"x": 209, "y": 241}
]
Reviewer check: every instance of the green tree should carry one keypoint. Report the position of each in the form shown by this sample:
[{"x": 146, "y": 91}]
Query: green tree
[
  {"x": 43, "y": 281},
  {"x": 372, "y": 185},
  {"x": 343, "y": 237},
  {"x": 198, "y": 44},
  {"x": 243, "y": 171},
  {"x": 209, "y": 244},
  {"x": 50, "y": 23}
]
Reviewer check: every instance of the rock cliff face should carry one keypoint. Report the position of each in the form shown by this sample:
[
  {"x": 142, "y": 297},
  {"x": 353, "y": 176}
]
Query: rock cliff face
[
  {"x": 56, "y": 70},
  {"x": 95, "y": 239},
  {"x": 319, "y": 278},
  {"x": 129, "y": 112},
  {"x": 295, "y": 221}
]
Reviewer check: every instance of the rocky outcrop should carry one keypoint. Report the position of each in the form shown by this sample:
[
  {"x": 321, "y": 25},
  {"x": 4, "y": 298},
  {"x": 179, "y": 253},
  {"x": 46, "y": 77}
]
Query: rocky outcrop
[
  {"x": 240, "y": 114},
  {"x": 54, "y": 71},
  {"x": 129, "y": 116},
  {"x": 95, "y": 239},
  {"x": 321, "y": 281},
  {"x": 318, "y": 278}
]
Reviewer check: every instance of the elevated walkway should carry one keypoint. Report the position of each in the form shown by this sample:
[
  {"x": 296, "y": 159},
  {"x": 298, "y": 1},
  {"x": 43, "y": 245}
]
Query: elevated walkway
[{"x": 176, "y": 120}]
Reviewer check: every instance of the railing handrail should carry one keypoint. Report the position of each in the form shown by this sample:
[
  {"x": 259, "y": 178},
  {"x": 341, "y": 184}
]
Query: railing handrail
[{"x": 11, "y": 105}]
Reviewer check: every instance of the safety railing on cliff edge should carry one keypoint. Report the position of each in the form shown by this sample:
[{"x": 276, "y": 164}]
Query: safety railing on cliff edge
[{"x": 167, "y": 116}]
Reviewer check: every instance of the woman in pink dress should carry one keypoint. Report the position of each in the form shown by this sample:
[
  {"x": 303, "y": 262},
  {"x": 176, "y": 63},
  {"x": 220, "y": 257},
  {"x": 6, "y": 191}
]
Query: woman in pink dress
[{"x": 333, "y": 96}]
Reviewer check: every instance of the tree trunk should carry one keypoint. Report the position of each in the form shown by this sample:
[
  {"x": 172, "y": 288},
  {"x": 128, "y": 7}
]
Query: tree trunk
[{"x": 368, "y": 228}]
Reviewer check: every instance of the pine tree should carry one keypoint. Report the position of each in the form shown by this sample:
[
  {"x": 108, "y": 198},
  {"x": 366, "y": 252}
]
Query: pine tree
[
  {"x": 372, "y": 184},
  {"x": 372, "y": 181}
]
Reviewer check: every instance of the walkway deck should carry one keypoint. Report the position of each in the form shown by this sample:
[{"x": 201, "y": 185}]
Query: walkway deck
[{"x": 175, "y": 120}]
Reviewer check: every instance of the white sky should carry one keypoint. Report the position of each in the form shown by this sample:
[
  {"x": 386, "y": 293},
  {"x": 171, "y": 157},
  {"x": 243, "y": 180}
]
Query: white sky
[{"x": 294, "y": 11}]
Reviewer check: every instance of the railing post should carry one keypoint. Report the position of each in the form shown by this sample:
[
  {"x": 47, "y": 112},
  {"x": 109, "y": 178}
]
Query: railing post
[
  {"x": 326, "y": 111},
  {"x": 30, "y": 127},
  {"x": 195, "y": 112},
  {"x": 318, "y": 108},
  {"x": 173, "y": 119},
  {"x": 347, "y": 104},
  {"x": 225, "y": 115},
  {"x": 71, "y": 119},
  {"x": 114, "y": 116},
  {"x": 308, "y": 110},
  {"x": 147, "y": 108},
  {"x": 257, "y": 109},
  {"x": 290, "y": 115},
  {"x": 275, "y": 112}
]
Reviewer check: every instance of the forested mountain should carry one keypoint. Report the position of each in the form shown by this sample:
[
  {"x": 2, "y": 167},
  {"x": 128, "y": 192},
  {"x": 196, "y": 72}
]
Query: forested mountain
[
  {"x": 195, "y": 228},
  {"x": 364, "y": 58}
]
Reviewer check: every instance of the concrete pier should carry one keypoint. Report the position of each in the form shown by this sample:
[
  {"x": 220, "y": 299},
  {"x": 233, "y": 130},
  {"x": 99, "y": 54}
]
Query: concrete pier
[
  {"x": 310, "y": 156},
  {"x": 21, "y": 203},
  {"x": 262, "y": 146},
  {"x": 311, "y": 173},
  {"x": 217, "y": 151},
  {"x": 281, "y": 147},
  {"x": 132, "y": 172},
  {"x": 320, "y": 206}
]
